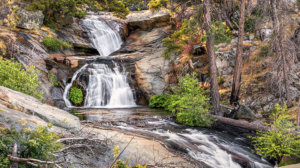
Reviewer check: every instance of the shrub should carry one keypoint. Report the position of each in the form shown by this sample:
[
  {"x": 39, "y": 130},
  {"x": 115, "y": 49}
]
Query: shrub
[
  {"x": 157, "y": 101},
  {"x": 38, "y": 144},
  {"x": 54, "y": 44},
  {"x": 76, "y": 95},
  {"x": 118, "y": 8},
  {"x": 282, "y": 140},
  {"x": 188, "y": 101},
  {"x": 157, "y": 4},
  {"x": 15, "y": 77}
]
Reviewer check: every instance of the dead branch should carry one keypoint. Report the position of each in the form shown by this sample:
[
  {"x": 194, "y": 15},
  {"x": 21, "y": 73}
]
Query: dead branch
[
  {"x": 78, "y": 146},
  {"x": 29, "y": 161},
  {"x": 111, "y": 166}
]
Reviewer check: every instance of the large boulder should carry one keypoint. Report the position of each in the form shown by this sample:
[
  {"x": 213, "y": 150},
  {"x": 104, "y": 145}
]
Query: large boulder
[
  {"x": 245, "y": 113},
  {"x": 148, "y": 19},
  {"x": 151, "y": 74},
  {"x": 30, "y": 20},
  {"x": 14, "y": 101}
]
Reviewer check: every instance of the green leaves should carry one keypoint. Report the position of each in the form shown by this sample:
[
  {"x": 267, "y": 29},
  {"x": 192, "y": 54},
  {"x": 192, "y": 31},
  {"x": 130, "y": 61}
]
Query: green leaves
[
  {"x": 76, "y": 95},
  {"x": 188, "y": 101},
  {"x": 14, "y": 76},
  {"x": 281, "y": 141},
  {"x": 54, "y": 44},
  {"x": 38, "y": 144}
]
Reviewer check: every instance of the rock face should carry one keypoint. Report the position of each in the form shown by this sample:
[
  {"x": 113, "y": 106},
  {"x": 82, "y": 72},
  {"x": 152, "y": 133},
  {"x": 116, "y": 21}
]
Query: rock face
[
  {"x": 148, "y": 19},
  {"x": 145, "y": 49},
  {"x": 16, "y": 102},
  {"x": 30, "y": 20}
]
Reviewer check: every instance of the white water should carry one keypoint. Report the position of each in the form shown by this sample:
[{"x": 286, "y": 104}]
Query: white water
[
  {"x": 202, "y": 146},
  {"x": 108, "y": 88},
  {"x": 103, "y": 37},
  {"x": 69, "y": 85}
]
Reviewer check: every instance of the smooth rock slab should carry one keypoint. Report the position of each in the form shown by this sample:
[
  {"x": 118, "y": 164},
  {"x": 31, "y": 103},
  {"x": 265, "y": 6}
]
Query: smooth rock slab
[{"x": 24, "y": 103}]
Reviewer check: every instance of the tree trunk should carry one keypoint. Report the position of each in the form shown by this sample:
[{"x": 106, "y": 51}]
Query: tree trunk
[
  {"x": 239, "y": 57},
  {"x": 278, "y": 46},
  {"x": 212, "y": 60}
]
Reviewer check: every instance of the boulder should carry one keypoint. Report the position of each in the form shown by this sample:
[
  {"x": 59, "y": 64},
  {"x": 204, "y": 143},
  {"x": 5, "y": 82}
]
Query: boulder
[
  {"x": 15, "y": 101},
  {"x": 151, "y": 74},
  {"x": 148, "y": 19},
  {"x": 245, "y": 113},
  {"x": 30, "y": 20}
]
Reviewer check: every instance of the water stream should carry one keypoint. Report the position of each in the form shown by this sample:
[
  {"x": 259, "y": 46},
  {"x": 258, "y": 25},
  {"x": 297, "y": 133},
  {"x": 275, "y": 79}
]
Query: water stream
[
  {"x": 215, "y": 148},
  {"x": 107, "y": 86}
]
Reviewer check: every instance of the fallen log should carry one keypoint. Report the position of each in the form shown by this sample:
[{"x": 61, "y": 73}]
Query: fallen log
[{"x": 254, "y": 126}]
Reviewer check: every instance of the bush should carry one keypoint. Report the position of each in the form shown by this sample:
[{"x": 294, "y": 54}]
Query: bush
[
  {"x": 76, "y": 95},
  {"x": 188, "y": 101},
  {"x": 157, "y": 101},
  {"x": 54, "y": 44},
  {"x": 282, "y": 140},
  {"x": 38, "y": 144},
  {"x": 157, "y": 4},
  {"x": 15, "y": 77}
]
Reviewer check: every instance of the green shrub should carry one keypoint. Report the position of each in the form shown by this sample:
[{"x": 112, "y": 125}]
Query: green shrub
[
  {"x": 53, "y": 79},
  {"x": 157, "y": 4},
  {"x": 38, "y": 144},
  {"x": 15, "y": 77},
  {"x": 188, "y": 101},
  {"x": 54, "y": 44},
  {"x": 282, "y": 140},
  {"x": 76, "y": 95},
  {"x": 157, "y": 101}
]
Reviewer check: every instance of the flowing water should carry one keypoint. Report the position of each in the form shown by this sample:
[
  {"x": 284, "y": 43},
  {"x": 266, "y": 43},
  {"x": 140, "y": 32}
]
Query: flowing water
[
  {"x": 107, "y": 87},
  {"x": 219, "y": 148},
  {"x": 103, "y": 37}
]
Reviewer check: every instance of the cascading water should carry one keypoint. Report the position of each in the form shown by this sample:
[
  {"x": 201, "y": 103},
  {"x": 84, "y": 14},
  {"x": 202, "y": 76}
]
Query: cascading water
[
  {"x": 107, "y": 88},
  {"x": 103, "y": 37}
]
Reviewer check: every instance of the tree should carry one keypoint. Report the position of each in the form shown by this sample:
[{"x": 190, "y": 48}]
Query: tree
[
  {"x": 239, "y": 57},
  {"x": 282, "y": 140},
  {"x": 212, "y": 59},
  {"x": 283, "y": 48}
]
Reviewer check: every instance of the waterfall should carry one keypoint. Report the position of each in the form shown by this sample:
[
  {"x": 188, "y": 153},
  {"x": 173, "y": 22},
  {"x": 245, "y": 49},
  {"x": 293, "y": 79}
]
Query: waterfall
[
  {"x": 107, "y": 87},
  {"x": 102, "y": 36}
]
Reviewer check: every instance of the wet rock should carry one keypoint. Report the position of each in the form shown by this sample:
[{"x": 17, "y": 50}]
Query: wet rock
[
  {"x": 148, "y": 19},
  {"x": 246, "y": 113},
  {"x": 30, "y": 20},
  {"x": 33, "y": 107}
]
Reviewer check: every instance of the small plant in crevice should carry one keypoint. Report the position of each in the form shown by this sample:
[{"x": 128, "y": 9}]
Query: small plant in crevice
[
  {"x": 53, "y": 79},
  {"x": 123, "y": 164},
  {"x": 76, "y": 96},
  {"x": 55, "y": 44}
]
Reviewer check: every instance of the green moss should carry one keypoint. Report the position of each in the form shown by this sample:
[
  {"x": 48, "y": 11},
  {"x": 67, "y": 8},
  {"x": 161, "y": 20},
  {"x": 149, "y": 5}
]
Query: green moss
[
  {"x": 54, "y": 44},
  {"x": 76, "y": 96}
]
